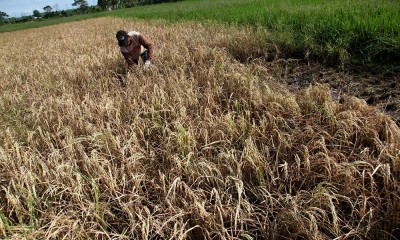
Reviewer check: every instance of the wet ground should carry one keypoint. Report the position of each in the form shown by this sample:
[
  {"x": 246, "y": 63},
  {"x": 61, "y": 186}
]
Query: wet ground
[{"x": 378, "y": 87}]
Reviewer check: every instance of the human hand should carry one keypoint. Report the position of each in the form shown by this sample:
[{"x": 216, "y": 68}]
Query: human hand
[{"x": 147, "y": 64}]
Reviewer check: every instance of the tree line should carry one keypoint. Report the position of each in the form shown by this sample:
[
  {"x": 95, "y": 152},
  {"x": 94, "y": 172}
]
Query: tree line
[
  {"x": 114, "y": 4},
  {"x": 82, "y": 8}
]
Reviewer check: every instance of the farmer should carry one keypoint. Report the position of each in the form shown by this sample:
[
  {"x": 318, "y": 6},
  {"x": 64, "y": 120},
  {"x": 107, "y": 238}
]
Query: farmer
[{"x": 134, "y": 45}]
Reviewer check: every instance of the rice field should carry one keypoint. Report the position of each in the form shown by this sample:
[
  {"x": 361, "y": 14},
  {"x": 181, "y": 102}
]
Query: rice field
[
  {"x": 346, "y": 33},
  {"x": 340, "y": 32},
  {"x": 200, "y": 146}
]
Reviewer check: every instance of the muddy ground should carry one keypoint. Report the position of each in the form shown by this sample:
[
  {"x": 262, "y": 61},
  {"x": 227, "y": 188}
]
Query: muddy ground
[{"x": 378, "y": 86}]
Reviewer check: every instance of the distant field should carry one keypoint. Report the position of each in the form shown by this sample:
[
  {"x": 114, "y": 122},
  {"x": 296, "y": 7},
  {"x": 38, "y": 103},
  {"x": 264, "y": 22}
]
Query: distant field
[
  {"x": 200, "y": 146},
  {"x": 340, "y": 31},
  {"x": 47, "y": 22}
]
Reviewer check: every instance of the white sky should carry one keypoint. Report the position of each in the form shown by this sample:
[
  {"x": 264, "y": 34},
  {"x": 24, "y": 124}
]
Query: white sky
[{"x": 18, "y": 8}]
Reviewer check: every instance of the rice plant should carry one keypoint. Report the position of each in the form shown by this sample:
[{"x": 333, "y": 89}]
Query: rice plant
[{"x": 201, "y": 146}]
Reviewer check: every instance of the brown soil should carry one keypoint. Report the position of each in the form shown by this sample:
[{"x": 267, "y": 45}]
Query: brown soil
[{"x": 380, "y": 88}]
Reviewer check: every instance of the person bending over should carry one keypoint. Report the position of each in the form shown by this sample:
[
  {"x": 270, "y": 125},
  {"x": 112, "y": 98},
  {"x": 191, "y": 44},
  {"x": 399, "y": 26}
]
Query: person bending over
[{"x": 134, "y": 45}]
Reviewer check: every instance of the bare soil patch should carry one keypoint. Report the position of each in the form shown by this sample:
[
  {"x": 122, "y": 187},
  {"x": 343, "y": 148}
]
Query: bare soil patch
[{"x": 380, "y": 88}]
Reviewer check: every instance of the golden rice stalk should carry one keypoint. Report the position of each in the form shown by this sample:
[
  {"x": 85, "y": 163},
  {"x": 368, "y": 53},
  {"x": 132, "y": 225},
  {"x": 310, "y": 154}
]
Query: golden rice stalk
[{"x": 205, "y": 144}]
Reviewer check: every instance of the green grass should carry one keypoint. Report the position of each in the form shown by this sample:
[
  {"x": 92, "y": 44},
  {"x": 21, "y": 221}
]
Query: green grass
[
  {"x": 48, "y": 22},
  {"x": 330, "y": 31}
]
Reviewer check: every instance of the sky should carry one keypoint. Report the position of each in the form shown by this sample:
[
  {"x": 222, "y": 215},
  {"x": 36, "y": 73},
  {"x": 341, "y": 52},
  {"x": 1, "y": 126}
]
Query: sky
[{"x": 18, "y": 8}]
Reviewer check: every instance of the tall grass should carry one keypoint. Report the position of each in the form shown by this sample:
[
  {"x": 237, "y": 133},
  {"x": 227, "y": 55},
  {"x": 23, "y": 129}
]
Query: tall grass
[
  {"x": 200, "y": 146},
  {"x": 331, "y": 31},
  {"x": 334, "y": 32}
]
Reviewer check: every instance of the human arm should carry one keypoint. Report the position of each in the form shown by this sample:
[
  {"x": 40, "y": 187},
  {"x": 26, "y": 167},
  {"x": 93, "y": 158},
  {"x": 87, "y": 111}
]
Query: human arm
[
  {"x": 129, "y": 60},
  {"x": 146, "y": 43}
]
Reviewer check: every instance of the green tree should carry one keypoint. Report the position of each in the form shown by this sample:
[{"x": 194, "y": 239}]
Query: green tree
[
  {"x": 114, "y": 3},
  {"x": 36, "y": 14},
  {"x": 3, "y": 16},
  {"x": 128, "y": 3},
  {"x": 47, "y": 11},
  {"x": 82, "y": 4},
  {"x": 103, "y": 4},
  {"x": 64, "y": 13}
]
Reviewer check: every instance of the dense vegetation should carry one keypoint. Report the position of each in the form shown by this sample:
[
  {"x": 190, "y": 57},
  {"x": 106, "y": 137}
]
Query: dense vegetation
[
  {"x": 328, "y": 30},
  {"x": 82, "y": 8},
  {"x": 201, "y": 146},
  {"x": 209, "y": 143},
  {"x": 337, "y": 32}
]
